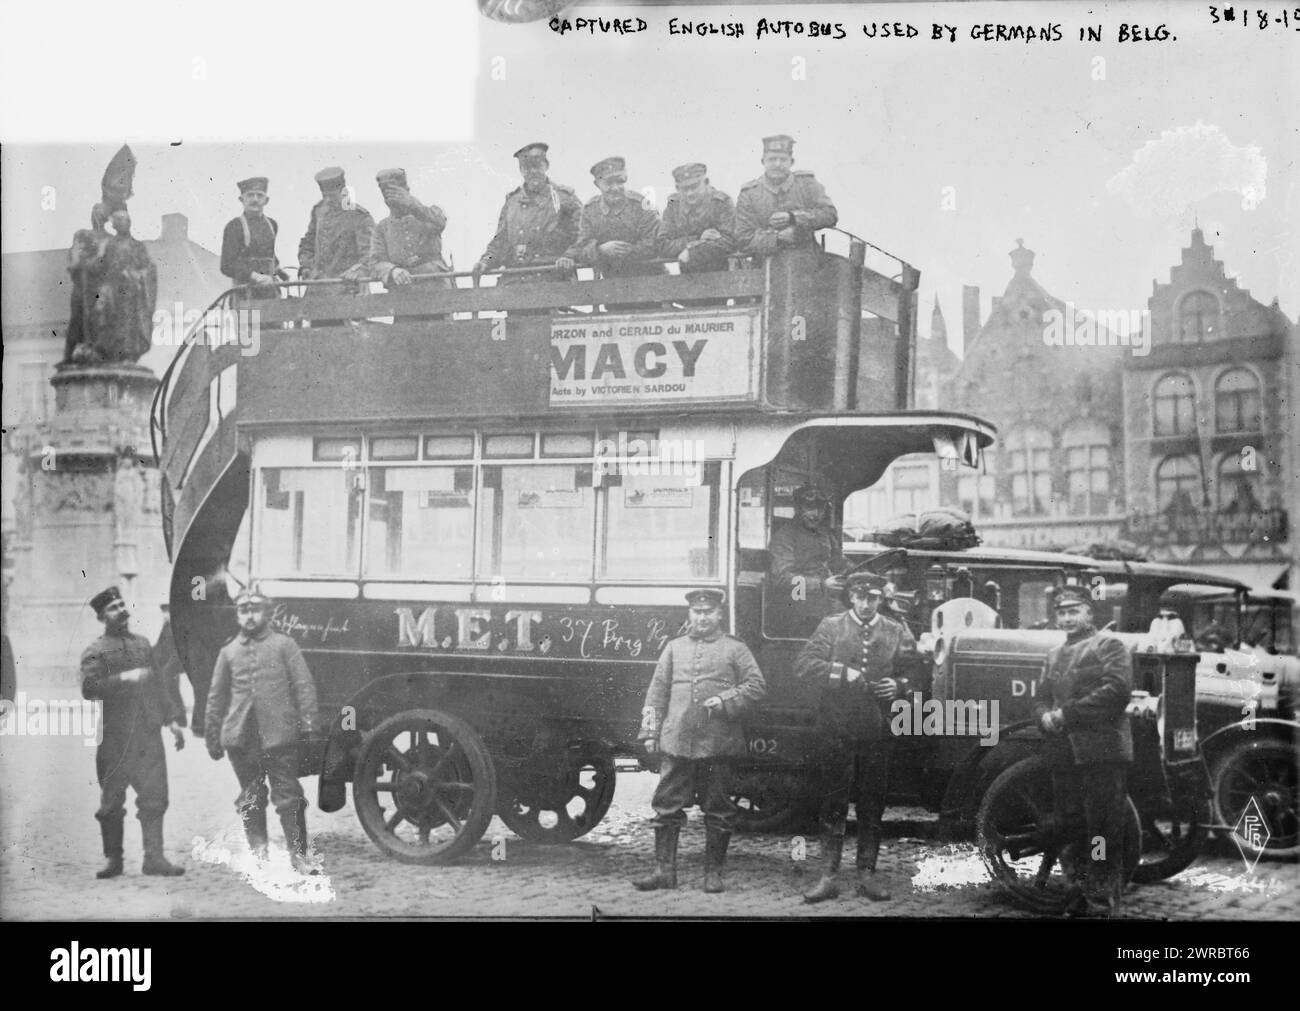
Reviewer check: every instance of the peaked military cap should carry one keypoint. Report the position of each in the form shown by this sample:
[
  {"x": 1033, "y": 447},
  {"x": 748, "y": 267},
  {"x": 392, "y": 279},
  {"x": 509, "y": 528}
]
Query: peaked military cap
[
  {"x": 810, "y": 494},
  {"x": 782, "y": 143},
  {"x": 1069, "y": 595},
  {"x": 258, "y": 183},
  {"x": 690, "y": 172},
  {"x": 251, "y": 595},
  {"x": 607, "y": 167},
  {"x": 330, "y": 178},
  {"x": 706, "y": 595},
  {"x": 532, "y": 151},
  {"x": 865, "y": 582},
  {"x": 103, "y": 598},
  {"x": 392, "y": 176}
]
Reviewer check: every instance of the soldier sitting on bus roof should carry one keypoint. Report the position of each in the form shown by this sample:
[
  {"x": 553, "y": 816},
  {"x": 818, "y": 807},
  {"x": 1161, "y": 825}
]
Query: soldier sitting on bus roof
[
  {"x": 1081, "y": 706},
  {"x": 538, "y": 222},
  {"x": 781, "y": 209},
  {"x": 704, "y": 682},
  {"x": 248, "y": 243},
  {"x": 617, "y": 232},
  {"x": 697, "y": 223},
  {"x": 409, "y": 240}
]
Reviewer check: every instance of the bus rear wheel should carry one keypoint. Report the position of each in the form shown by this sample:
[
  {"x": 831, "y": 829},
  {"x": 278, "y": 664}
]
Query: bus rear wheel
[
  {"x": 559, "y": 809},
  {"x": 424, "y": 786},
  {"x": 771, "y": 801},
  {"x": 1263, "y": 770}
]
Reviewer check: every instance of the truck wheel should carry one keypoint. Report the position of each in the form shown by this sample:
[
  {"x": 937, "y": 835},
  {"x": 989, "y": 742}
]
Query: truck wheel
[
  {"x": 560, "y": 809},
  {"x": 769, "y": 801},
  {"x": 1263, "y": 768},
  {"x": 1172, "y": 840},
  {"x": 1018, "y": 838},
  {"x": 424, "y": 787}
]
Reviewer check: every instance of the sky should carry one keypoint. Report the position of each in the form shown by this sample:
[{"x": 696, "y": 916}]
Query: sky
[{"x": 1101, "y": 156}]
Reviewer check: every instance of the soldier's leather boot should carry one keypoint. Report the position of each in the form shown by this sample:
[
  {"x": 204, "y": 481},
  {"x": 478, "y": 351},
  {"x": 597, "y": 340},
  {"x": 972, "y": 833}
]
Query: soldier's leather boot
[
  {"x": 154, "y": 862},
  {"x": 255, "y": 831},
  {"x": 110, "y": 828},
  {"x": 665, "y": 873},
  {"x": 869, "y": 886},
  {"x": 715, "y": 856},
  {"x": 295, "y": 836},
  {"x": 827, "y": 886}
]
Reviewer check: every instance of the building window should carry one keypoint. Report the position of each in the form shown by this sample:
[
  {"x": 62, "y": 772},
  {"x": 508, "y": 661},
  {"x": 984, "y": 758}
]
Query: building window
[
  {"x": 1031, "y": 471},
  {"x": 1178, "y": 483},
  {"x": 1087, "y": 468},
  {"x": 1198, "y": 318},
  {"x": 1174, "y": 405},
  {"x": 1236, "y": 402},
  {"x": 977, "y": 493},
  {"x": 1238, "y": 488}
]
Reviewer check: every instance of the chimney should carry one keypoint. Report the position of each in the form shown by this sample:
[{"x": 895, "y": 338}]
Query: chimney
[
  {"x": 175, "y": 228},
  {"x": 970, "y": 314}
]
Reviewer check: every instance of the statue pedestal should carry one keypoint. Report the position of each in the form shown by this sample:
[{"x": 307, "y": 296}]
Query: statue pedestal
[{"x": 87, "y": 517}]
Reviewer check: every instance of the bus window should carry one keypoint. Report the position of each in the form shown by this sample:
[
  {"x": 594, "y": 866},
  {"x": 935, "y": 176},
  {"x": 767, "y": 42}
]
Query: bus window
[
  {"x": 307, "y": 522},
  {"x": 661, "y": 528},
  {"x": 536, "y": 521},
  {"x": 1033, "y": 603},
  {"x": 421, "y": 523}
]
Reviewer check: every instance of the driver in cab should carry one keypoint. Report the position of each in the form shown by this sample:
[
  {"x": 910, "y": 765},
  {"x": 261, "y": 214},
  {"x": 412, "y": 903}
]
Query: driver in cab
[{"x": 805, "y": 552}]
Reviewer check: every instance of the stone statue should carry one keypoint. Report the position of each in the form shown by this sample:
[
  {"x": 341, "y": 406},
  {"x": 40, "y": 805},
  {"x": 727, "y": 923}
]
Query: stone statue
[
  {"x": 128, "y": 292},
  {"x": 84, "y": 264}
]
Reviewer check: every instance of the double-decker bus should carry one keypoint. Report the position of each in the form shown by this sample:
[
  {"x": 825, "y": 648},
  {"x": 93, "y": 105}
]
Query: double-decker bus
[{"x": 478, "y": 508}]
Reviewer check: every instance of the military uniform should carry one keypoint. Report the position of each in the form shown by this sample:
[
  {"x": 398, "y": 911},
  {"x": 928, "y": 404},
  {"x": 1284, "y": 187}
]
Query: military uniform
[
  {"x": 1088, "y": 681},
  {"x": 797, "y": 551},
  {"x": 697, "y": 743},
  {"x": 410, "y": 241},
  {"x": 843, "y": 660},
  {"x": 628, "y": 220},
  {"x": 248, "y": 246},
  {"x": 533, "y": 230},
  {"x": 261, "y": 704},
  {"x": 337, "y": 237},
  {"x": 685, "y": 220},
  {"x": 131, "y": 753},
  {"x": 759, "y": 199}
]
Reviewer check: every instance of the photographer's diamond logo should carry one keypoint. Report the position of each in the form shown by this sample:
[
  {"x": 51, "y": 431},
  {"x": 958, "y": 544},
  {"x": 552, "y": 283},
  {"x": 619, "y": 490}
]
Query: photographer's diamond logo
[{"x": 1251, "y": 834}]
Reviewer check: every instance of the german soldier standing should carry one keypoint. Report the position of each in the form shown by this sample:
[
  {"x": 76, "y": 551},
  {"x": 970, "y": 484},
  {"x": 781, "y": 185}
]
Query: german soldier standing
[
  {"x": 262, "y": 703},
  {"x": 617, "y": 233},
  {"x": 337, "y": 241},
  {"x": 248, "y": 243},
  {"x": 118, "y": 668},
  {"x": 704, "y": 682},
  {"x": 409, "y": 240},
  {"x": 860, "y": 661},
  {"x": 1081, "y": 708},
  {"x": 781, "y": 209},
  {"x": 698, "y": 222}
]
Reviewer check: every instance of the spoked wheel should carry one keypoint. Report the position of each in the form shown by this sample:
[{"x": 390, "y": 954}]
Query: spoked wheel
[
  {"x": 1172, "y": 840},
  {"x": 1263, "y": 769},
  {"x": 424, "y": 787},
  {"x": 1022, "y": 844},
  {"x": 559, "y": 809},
  {"x": 769, "y": 801}
]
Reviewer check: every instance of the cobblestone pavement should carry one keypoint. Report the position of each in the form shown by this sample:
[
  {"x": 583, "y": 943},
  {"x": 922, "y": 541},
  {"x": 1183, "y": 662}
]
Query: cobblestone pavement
[{"x": 49, "y": 850}]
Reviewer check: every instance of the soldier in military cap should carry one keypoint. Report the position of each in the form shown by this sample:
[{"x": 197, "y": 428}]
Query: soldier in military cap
[
  {"x": 248, "y": 243},
  {"x": 261, "y": 705},
  {"x": 617, "y": 232},
  {"x": 704, "y": 682},
  {"x": 698, "y": 222},
  {"x": 860, "y": 661},
  {"x": 337, "y": 241},
  {"x": 782, "y": 208},
  {"x": 1081, "y": 708},
  {"x": 138, "y": 701},
  {"x": 807, "y": 546},
  {"x": 409, "y": 240},
  {"x": 538, "y": 222}
]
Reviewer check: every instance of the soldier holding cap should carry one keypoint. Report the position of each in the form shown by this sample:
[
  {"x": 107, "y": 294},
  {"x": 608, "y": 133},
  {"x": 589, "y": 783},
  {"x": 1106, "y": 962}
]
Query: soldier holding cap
[
  {"x": 409, "y": 240},
  {"x": 781, "y": 209},
  {"x": 138, "y": 701},
  {"x": 337, "y": 240},
  {"x": 262, "y": 703},
  {"x": 1081, "y": 707},
  {"x": 617, "y": 233},
  {"x": 538, "y": 221},
  {"x": 698, "y": 222},
  {"x": 248, "y": 243},
  {"x": 704, "y": 682},
  {"x": 860, "y": 661}
]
